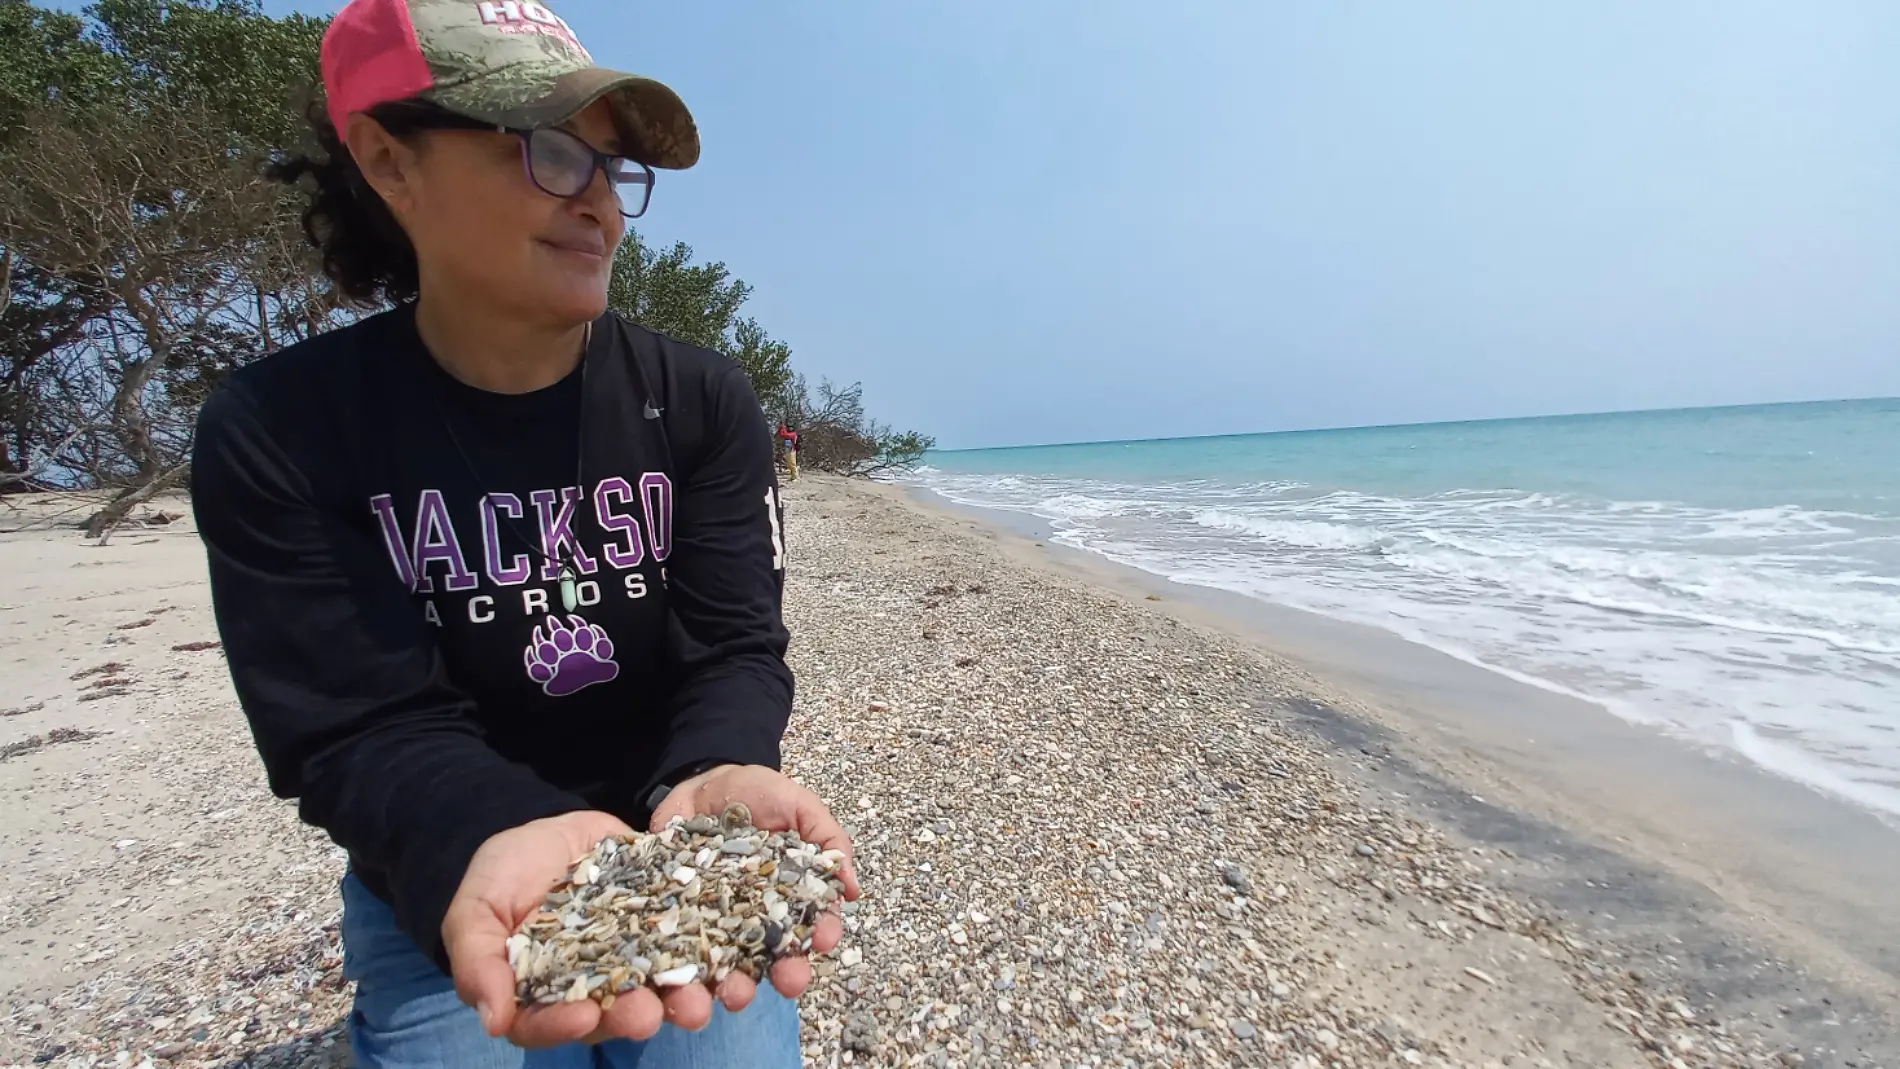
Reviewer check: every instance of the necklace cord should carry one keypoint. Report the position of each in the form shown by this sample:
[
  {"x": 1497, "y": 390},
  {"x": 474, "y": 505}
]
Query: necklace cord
[{"x": 562, "y": 562}]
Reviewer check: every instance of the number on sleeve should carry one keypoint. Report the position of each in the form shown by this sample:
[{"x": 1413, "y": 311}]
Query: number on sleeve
[{"x": 778, "y": 537}]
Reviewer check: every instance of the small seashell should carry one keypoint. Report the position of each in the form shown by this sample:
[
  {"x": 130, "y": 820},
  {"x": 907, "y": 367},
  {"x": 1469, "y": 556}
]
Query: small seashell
[
  {"x": 677, "y": 977},
  {"x": 736, "y": 816}
]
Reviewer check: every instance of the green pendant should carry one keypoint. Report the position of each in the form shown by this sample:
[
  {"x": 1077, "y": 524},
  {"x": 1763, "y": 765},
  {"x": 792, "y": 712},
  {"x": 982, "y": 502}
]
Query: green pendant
[{"x": 570, "y": 596}]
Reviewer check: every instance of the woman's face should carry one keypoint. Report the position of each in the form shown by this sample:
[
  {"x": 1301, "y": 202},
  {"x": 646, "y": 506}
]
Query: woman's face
[{"x": 486, "y": 235}]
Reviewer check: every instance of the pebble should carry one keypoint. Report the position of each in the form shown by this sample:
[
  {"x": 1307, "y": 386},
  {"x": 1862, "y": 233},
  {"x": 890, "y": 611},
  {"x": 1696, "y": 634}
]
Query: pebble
[
  {"x": 1236, "y": 879},
  {"x": 860, "y": 1033}
]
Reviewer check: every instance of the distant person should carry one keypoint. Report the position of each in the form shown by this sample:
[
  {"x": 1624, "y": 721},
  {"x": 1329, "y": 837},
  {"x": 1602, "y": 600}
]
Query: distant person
[
  {"x": 788, "y": 439},
  {"x": 498, "y": 572}
]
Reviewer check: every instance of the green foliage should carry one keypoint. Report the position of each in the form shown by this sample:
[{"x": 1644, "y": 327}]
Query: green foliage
[
  {"x": 46, "y": 60},
  {"x": 151, "y": 56},
  {"x": 903, "y": 450},
  {"x": 768, "y": 363},
  {"x": 699, "y": 304},
  {"x": 225, "y": 56},
  {"x": 664, "y": 290}
]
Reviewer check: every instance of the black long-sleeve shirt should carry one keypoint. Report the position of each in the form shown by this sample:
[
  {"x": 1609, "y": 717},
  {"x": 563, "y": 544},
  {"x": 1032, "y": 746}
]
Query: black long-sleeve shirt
[{"x": 385, "y": 548}]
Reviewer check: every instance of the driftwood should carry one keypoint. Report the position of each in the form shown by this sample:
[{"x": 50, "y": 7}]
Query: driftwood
[{"x": 107, "y": 519}]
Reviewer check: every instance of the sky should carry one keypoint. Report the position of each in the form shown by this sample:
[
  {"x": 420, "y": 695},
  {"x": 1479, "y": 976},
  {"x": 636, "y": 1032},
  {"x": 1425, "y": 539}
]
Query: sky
[{"x": 1025, "y": 221}]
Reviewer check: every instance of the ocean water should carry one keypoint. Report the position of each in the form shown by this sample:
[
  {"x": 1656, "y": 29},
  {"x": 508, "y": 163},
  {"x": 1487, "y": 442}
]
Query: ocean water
[{"x": 1730, "y": 576}]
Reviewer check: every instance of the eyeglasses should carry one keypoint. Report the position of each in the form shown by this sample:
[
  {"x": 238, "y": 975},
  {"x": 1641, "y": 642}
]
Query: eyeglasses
[
  {"x": 558, "y": 163},
  {"x": 562, "y": 165}
]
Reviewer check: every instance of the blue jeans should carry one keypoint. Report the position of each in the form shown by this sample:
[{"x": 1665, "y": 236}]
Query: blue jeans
[{"x": 407, "y": 1016}]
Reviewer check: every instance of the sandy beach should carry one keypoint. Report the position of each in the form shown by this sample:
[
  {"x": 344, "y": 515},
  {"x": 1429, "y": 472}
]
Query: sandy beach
[{"x": 1094, "y": 829}]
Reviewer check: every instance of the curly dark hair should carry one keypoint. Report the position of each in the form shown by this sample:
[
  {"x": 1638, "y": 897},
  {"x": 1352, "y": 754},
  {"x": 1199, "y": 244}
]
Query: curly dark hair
[{"x": 365, "y": 252}]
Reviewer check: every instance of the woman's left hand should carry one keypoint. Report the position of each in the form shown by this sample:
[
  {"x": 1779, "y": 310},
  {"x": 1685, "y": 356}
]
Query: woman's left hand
[{"x": 777, "y": 804}]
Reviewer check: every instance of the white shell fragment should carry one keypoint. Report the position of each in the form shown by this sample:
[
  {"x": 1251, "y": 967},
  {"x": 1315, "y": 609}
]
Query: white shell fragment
[
  {"x": 699, "y": 900},
  {"x": 679, "y": 977}
]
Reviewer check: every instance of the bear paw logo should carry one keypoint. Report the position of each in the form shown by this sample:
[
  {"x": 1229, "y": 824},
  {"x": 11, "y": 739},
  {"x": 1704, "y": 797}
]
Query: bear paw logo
[{"x": 566, "y": 657}]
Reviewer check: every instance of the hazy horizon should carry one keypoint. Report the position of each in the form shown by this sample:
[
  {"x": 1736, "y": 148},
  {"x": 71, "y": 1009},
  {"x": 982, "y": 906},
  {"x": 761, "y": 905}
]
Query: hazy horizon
[{"x": 1418, "y": 423}]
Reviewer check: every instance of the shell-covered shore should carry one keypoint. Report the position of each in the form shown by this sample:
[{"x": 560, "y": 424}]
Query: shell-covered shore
[{"x": 1088, "y": 835}]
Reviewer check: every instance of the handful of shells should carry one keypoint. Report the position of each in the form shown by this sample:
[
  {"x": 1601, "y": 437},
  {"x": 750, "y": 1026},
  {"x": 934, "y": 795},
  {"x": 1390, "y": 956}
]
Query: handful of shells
[{"x": 696, "y": 901}]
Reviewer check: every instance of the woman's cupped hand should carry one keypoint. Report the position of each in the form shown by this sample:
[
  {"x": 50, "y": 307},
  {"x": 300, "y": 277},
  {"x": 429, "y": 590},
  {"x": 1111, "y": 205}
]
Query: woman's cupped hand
[{"x": 509, "y": 877}]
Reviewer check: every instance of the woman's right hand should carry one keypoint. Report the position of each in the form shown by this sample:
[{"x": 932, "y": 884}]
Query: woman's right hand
[{"x": 507, "y": 880}]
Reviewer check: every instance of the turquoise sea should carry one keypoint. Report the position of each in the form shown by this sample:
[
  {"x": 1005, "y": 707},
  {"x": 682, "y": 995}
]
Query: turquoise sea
[{"x": 1727, "y": 575}]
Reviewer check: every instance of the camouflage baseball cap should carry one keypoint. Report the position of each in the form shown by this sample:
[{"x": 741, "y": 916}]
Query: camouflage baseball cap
[{"x": 507, "y": 62}]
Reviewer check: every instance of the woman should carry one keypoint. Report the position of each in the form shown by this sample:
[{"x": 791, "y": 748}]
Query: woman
[
  {"x": 789, "y": 438},
  {"x": 498, "y": 573}
]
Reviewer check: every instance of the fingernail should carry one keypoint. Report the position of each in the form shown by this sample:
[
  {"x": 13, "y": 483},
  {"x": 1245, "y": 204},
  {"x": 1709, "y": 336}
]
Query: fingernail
[{"x": 488, "y": 1018}]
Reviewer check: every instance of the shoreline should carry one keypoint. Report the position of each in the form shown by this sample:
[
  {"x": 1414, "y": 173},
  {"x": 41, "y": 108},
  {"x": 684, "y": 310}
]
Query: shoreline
[
  {"x": 1708, "y": 623},
  {"x": 1791, "y": 886}
]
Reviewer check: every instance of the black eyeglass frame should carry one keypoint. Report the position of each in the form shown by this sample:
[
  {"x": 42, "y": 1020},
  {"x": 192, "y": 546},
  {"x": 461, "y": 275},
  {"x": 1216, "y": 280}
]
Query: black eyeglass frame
[{"x": 401, "y": 117}]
